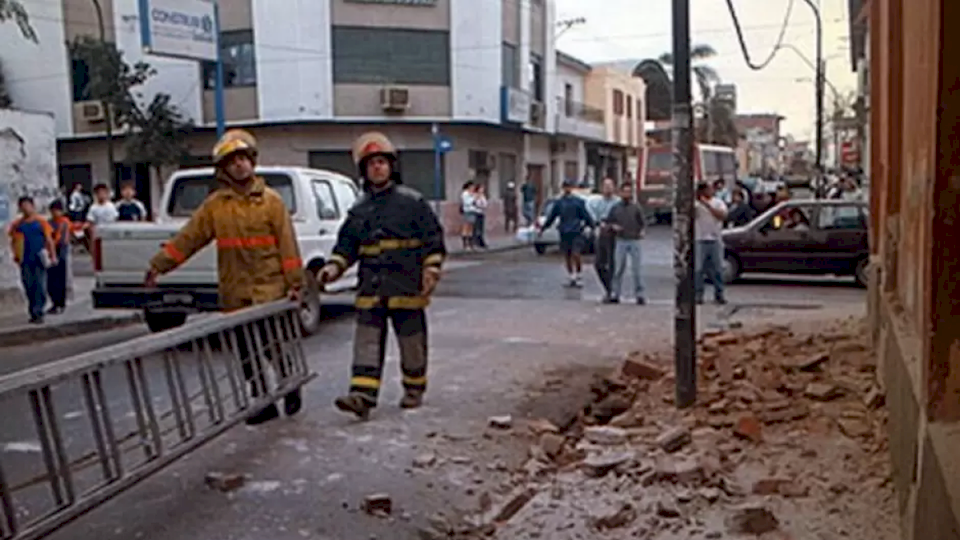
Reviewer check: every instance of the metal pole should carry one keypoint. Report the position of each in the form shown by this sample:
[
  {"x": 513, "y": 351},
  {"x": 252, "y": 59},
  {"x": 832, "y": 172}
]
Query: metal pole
[
  {"x": 105, "y": 103},
  {"x": 685, "y": 327},
  {"x": 437, "y": 164},
  {"x": 218, "y": 88},
  {"x": 819, "y": 97}
]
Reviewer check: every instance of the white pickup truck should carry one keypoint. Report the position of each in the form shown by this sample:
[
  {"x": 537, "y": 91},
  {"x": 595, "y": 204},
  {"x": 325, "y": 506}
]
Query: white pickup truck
[{"x": 318, "y": 201}]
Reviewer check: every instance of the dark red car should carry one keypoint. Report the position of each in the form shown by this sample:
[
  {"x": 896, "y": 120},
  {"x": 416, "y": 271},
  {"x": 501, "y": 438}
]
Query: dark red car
[{"x": 801, "y": 237}]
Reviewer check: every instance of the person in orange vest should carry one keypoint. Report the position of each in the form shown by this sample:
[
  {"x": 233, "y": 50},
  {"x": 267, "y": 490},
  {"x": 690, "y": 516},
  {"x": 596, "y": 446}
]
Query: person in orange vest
[
  {"x": 396, "y": 238},
  {"x": 258, "y": 259},
  {"x": 31, "y": 241},
  {"x": 57, "y": 274}
]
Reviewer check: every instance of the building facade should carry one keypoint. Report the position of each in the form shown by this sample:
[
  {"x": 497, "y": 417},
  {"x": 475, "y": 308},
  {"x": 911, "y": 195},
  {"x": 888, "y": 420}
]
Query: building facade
[
  {"x": 759, "y": 152},
  {"x": 309, "y": 76},
  {"x": 622, "y": 96},
  {"x": 913, "y": 315}
]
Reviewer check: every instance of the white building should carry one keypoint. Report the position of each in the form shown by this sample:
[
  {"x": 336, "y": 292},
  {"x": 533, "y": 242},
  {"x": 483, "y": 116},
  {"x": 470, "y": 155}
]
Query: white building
[{"x": 307, "y": 76}]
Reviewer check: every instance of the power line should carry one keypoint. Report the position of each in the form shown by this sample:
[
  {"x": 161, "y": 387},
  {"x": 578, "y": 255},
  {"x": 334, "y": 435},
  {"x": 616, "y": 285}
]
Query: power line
[{"x": 743, "y": 44}]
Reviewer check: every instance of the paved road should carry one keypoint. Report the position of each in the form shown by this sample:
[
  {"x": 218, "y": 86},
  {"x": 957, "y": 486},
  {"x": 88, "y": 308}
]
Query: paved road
[{"x": 501, "y": 325}]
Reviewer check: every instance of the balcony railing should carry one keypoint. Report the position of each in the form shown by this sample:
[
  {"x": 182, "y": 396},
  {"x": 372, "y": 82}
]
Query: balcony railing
[{"x": 575, "y": 109}]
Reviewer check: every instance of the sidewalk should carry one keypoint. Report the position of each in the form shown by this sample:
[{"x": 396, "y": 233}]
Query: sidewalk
[
  {"x": 78, "y": 318},
  {"x": 495, "y": 244}
]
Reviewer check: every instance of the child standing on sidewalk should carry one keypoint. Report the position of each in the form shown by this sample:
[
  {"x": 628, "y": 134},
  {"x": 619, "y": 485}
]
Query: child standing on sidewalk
[
  {"x": 31, "y": 241},
  {"x": 57, "y": 274}
]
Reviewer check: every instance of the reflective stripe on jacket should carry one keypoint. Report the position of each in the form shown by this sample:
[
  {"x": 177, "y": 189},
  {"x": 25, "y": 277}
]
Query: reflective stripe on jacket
[
  {"x": 258, "y": 259},
  {"x": 393, "y": 234}
]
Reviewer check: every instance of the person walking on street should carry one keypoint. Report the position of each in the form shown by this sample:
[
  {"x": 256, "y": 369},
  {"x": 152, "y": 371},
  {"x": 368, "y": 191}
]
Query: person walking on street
[
  {"x": 510, "y": 221},
  {"x": 573, "y": 218},
  {"x": 129, "y": 208},
  {"x": 629, "y": 224},
  {"x": 396, "y": 238},
  {"x": 57, "y": 274},
  {"x": 77, "y": 203},
  {"x": 31, "y": 241},
  {"x": 605, "y": 238},
  {"x": 711, "y": 213},
  {"x": 469, "y": 212},
  {"x": 258, "y": 259},
  {"x": 480, "y": 204}
]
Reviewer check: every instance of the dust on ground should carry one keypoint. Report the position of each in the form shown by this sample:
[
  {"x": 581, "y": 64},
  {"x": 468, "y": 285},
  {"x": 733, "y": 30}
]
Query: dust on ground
[{"x": 787, "y": 441}]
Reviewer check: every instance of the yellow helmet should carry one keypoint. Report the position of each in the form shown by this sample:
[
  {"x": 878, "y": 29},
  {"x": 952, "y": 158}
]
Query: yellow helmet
[
  {"x": 372, "y": 143},
  {"x": 233, "y": 141}
]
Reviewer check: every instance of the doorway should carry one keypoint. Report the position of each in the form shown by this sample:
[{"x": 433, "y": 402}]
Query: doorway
[{"x": 535, "y": 176}]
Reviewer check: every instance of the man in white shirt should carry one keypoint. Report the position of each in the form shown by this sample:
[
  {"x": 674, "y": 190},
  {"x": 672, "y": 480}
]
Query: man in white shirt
[
  {"x": 711, "y": 212},
  {"x": 102, "y": 210},
  {"x": 605, "y": 238}
]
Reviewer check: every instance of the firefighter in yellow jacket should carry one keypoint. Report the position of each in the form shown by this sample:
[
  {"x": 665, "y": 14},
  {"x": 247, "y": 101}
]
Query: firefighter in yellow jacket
[
  {"x": 257, "y": 254},
  {"x": 395, "y": 236}
]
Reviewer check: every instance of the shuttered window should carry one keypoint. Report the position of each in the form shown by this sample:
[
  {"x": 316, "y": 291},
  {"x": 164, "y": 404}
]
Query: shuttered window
[{"x": 368, "y": 55}]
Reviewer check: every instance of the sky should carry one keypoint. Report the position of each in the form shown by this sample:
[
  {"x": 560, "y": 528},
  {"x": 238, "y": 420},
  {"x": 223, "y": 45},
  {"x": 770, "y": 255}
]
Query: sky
[{"x": 624, "y": 29}]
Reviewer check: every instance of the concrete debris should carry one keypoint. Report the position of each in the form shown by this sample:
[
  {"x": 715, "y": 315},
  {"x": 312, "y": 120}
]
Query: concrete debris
[
  {"x": 641, "y": 369},
  {"x": 874, "y": 398},
  {"x": 611, "y": 406},
  {"x": 770, "y": 486},
  {"x": 752, "y": 519},
  {"x": 501, "y": 422},
  {"x": 378, "y": 504},
  {"x": 598, "y": 465},
  {"x": 514, "y": 504},
  {"x": 424, "y": 460},
  {"x": 667, "y": 510},
  {"x": 541, "y": 425},
  {"x": 605, "y": 435},
  {"x": 552, "y": 444},
  {"x": 619, "y": 518},
  {"x": 225, "y": 482},
  {"x": 823, "y": 391},
  {"x": 674, "y": 439}
]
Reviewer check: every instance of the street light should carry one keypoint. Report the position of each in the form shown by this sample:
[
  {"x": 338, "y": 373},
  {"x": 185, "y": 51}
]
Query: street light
[{"x": 104, "y": 104}]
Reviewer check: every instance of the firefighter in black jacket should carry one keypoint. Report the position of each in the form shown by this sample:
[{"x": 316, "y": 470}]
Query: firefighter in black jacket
[{"x": 395, "y": 236}]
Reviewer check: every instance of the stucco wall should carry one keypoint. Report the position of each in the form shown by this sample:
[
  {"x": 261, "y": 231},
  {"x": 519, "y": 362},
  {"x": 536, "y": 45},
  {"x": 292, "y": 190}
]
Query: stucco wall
[{"x": 28, "y": 166}]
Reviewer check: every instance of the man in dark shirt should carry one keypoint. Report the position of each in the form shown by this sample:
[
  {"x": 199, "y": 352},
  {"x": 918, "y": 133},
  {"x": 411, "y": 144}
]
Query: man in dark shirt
[
  {"x": 629, "y": 224},
  {"x": 571, "y": 211}
]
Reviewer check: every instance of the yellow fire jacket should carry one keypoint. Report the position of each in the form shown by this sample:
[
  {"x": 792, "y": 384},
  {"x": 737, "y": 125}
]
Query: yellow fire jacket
[{"x": 258, "y": 258}]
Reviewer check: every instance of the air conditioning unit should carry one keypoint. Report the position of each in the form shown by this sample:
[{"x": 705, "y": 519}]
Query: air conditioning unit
[
  {"x": 92, "y": 112},
  {"x": 395, "y": 98},
  {"x": 537, "y": 113}
]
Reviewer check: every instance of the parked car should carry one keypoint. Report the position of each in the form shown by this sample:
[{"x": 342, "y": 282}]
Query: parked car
[
  {"x": 801, "y": 237},
  {"x": 318, "y": 201},
  {"x": 551, "y": 237}
]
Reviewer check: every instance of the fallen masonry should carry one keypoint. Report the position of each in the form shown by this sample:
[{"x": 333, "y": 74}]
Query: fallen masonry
[{"x": 781, "y": 419}]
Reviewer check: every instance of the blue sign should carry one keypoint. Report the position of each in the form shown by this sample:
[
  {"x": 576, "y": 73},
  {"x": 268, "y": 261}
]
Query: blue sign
[
  {"x": 442, "y": 144},
  {"x": 179, "y": 28}
]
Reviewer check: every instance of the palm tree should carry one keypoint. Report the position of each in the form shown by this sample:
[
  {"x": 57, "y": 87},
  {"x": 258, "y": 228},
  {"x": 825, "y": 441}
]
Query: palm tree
[{"x": 704, "y": 74}]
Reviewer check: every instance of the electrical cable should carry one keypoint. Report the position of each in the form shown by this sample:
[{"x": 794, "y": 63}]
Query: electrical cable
[{"x": 743, "y": 44}]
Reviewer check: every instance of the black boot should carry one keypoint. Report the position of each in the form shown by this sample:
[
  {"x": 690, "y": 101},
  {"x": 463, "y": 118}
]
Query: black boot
[
  {"x": 355, "y": 404},
  {"x": 268, "y": 413},
  {"x": 411, "y": 400},
  {"x": 292, "y": 402}
]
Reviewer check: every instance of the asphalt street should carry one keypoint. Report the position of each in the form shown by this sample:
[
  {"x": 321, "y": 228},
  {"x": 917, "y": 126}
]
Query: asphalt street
[{"x": 501, "y": 325}]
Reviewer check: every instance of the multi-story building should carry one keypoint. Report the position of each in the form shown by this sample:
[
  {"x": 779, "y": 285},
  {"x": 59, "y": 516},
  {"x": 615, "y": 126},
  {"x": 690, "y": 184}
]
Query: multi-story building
[{"x": 307, "y": 76}]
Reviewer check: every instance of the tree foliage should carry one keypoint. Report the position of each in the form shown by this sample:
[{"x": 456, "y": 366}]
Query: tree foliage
[
  {"x": 704, "y": 75},
  {"x": 156, "y": 131},
  {"x": 13, "y": 10}
]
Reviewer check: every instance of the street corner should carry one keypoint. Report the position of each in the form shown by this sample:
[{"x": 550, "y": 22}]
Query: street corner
[{"x": 19, "y": 334}]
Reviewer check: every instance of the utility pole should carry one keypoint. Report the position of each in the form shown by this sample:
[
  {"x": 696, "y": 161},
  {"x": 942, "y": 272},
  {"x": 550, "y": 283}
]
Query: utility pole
[
  {"x": 105, "y": 104},
  {"x": 685, "y": 323},
  {"x": 818, "y": 81}
]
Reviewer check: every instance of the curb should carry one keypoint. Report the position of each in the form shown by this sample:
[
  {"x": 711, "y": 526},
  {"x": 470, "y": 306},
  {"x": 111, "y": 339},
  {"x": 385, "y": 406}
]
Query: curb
[
  {"x": 497, "y": 249},
  {"x": 25, "y": 335}
]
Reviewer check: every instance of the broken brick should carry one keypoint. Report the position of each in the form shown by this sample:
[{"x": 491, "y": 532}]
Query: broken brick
[
  {"x": 753, "y": 519},
  {"x": 501, "y": 422},
  {"x": 748, "y": 427},
  {"x": 378, "y": 503},
  {"x": 795, "y": 412},
  {"x": 605, "y": 435},
  {"x": 641, "y": 369},
  {"x": 542, "y": 425},
  {"x": 599, "y": 465},
  {"x": 674, "y": 439},
  {"x": 874, "y": 398},
  {"x": 224, "y": 482},
  {"x": 612, "y": 405},
  {"x": 623, "y": 516},
  {"x": 822, "y": 391},
  {"x": 552, "y": 444},
  {"x": 514, "y": 504},
  {"x": 770, "y": 486}
]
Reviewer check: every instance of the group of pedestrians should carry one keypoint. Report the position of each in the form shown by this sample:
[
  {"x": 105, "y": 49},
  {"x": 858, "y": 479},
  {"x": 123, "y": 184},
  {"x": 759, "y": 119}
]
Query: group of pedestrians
[{"x": 473, "y": 207}]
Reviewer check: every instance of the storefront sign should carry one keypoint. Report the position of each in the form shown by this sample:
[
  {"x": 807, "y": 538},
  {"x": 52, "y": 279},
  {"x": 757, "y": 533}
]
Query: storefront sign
[
  {"x": 179, "y": 28},
  {"x": 515, "y": 105}
]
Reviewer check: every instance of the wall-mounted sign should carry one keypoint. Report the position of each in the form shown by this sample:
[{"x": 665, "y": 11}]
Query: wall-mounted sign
[
  {"x": 395, "y": 2},
  {"x": 179, "y": 28},
  {"x": 515, "y": 105}
]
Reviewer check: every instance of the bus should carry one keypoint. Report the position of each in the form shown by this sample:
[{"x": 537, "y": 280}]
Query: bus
[{"x": 655, "y": 181}]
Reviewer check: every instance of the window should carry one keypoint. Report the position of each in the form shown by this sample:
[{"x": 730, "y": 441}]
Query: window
[
  {"x": 847, "y": 217},
  {"x": 417, "y": 168},
  {"x": 368, "y": 55},
  {"x": 190, "y": 192},
  {"x": 618, "y": 102},
  {"x": 80, "y": 75},
  {"x": 510, "y": 65},
  {"x": 346, "y": 195},
  {"x": 795, "y": 218},
  {"x": 536, "y": 77},
  {"x": 629, "y": 107},
  {"x": 661, "y": 161},
  {"x": 326, "y": 203},
  {"x": 239, "y": 61},
  {"x": 568, "y": 99}
]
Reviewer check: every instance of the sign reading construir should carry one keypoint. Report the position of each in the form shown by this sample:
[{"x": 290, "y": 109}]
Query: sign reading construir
[{"x": 179, "y": 28}]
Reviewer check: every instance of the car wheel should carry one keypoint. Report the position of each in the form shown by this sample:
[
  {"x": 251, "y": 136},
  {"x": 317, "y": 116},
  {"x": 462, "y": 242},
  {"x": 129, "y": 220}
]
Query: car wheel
[
  {"x": 311, "y": 309},
  {"x": 731, "y": 268},
  {"x": 860, "y": 273},
  {"x": 540, "y": 248},
  {"x": 160, "y": 321}
]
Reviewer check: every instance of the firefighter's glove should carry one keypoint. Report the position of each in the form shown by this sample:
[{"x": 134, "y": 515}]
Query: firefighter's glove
[
  {"x": 431, "y": 276},
  {"x": 328, "y": 272}
]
